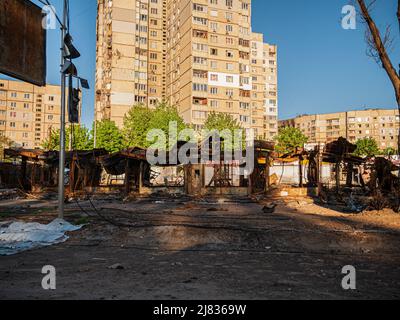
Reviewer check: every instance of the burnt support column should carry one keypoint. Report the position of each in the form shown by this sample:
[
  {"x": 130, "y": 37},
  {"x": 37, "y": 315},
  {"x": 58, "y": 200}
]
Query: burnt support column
[
  {"x": 337, "y": 175},
  {"x": 250, "y": 186},
  {"x": 301, "y": 171},
  {"x": 350, "y": 171},
  {"x": 267, "y": 174},
  {"x": 140, "y": 182},
  {"x": 319, "y": 172},
  {"x": 72, "y": 175},
  {"x": 127, "y": 177},
  {"x": 23, "y": 173}
]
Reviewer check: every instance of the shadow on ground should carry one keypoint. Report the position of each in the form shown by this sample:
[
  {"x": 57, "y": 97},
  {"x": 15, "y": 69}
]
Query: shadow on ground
[{"x": 212, "y": 250}]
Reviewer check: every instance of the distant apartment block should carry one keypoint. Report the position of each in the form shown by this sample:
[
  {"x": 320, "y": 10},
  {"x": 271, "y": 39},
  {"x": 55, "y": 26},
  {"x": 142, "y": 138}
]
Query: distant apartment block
[
  {"x": 131, "y": 56},
  {"x": 201, "y": 56},
  {"x": 380, "y": 124},
  {"x": 28, "y": 113}
]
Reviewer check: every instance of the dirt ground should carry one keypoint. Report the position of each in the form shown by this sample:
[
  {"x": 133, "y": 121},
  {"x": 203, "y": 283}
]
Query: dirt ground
[{"x": 171, "y": 248}]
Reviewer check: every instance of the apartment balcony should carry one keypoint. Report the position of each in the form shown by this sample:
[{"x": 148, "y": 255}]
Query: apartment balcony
[
  {"x": 200, "y": 101},
  {"x": 245, "y": 93},
  {"x": 244, "y": 55},
  {"x": 244, "y": 43},
  {"x": 200, "y": 34},
  {"x": 200, "y": 74}
]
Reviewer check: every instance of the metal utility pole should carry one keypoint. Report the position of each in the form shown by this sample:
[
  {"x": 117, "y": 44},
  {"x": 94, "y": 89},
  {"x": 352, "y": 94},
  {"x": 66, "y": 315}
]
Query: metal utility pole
[
  {"x": 61, "y": 168},
  {"x": 95, "y": 127}
]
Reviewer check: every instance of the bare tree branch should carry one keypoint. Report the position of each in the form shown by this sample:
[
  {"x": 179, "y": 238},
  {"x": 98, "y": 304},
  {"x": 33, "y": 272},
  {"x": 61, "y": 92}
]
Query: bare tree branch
[
  {"x": 376, "y": 41},
  {"x": 372, "y": 50},
  {"x": 398, "y": 13},
  {"x": 378, "y": 48}
]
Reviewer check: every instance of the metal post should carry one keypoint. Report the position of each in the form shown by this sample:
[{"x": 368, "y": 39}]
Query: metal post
[
  {"x": 95, "y": 130},
  {"x": 61, "y": 168},
  {"x": 70, "y": 98}
]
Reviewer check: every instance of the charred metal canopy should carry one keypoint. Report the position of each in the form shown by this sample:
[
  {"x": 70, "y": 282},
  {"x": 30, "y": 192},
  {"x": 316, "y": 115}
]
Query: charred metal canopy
[
  {"x": 341, "y": 150},
  {"x": 115, "y": 163},
  {"x": 51, "y": 156}
]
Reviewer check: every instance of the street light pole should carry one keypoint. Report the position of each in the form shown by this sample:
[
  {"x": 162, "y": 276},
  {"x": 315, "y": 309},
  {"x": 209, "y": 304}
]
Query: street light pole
[{"x": 61, "y": 168}]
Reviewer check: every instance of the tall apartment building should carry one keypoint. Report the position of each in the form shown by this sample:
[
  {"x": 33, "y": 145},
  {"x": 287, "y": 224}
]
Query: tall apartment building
[
  {"x": 381, "y": 124},
  {"x": 203, "y": 57},
  {"x": 131, "y": 41},
  {"x": 28, "y": 113}
]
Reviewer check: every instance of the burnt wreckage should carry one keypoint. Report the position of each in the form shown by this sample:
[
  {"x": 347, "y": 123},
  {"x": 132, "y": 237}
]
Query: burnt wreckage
[{"x": 36, "y": 171}]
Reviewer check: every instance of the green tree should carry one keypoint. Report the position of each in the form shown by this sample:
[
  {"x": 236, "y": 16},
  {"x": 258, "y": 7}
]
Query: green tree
[
  {"x": 221, "y": 121},
  {"x": 82, "y": 139},
  {"x": 389, "y": 152},
  {"x": 140, "y": 120},
  {"x": 161, "y": 119},
  {"x": 367, "y": 147},
  {"x": 224, "y": 121},
  {"x": 4, "y": 144},
  {"x": 289, "y": 139},
  {"x": 108, "y": 136},
  {"x": 52, "y": 142},
  {"x": 136, "y": 125}
]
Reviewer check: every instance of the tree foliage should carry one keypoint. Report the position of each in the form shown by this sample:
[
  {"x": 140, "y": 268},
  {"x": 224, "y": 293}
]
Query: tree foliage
[
  {"x": 221, "y": 121},
  {"x": 367, "y": 147},
  {"x": 388, "y": 152},
  {"x": 140, "y": 120},
  {"x": 108, "y": 136},
  {"x": 162, "y": 117},
  {"x": 136, "y": 124},
  {"x": 5, "y": 143},
  {"x": 52, "y": 142},
  {"x": 81, "y": 140},
  {"x": 289, "y": 139}
]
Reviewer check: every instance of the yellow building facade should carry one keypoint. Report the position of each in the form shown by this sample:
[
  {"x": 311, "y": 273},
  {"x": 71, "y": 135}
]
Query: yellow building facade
[
  {"x": 379, "y": 124},
  {"x": 200, "y": 56},
  {"x": 28, "y": 113}
]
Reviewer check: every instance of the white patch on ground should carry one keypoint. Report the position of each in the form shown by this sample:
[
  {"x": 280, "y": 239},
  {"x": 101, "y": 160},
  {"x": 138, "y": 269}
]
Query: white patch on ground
[{"x": 17, "y": 237}]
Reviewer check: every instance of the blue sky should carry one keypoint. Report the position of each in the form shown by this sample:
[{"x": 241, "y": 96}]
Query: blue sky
[{"x": 322, "y": 68}]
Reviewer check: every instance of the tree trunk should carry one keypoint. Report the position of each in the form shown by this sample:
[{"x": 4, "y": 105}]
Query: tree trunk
[
  {"x": 383, "y": 55},
  {"x": 380, "y": 48}
]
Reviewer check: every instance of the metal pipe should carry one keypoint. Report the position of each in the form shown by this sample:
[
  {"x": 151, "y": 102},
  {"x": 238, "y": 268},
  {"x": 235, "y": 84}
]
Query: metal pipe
[{"x": 61, "y": 168}]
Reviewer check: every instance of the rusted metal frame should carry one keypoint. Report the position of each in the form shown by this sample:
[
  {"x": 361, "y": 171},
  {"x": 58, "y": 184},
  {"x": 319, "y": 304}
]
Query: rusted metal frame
[
  {"x": 127, "y": 177},
  {"x": 23, "y": 173},
  {"x": 301, "y": 184},
  {"x": 267, "y": 174}
]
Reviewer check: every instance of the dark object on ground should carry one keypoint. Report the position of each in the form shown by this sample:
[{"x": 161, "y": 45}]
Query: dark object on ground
[
  {"x": 270, "y": 208},
  {"x": 117, "y": 266}
]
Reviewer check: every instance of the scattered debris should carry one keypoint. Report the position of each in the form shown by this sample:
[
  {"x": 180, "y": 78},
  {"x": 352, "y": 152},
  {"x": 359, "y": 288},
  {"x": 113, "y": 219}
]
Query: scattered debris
[
  {"x": 270, "y": 208},
  {"x": 354, "y": 206},
  {"x": 116, "y": 266}
]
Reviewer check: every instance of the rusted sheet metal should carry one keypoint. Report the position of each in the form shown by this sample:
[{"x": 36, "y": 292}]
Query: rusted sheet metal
[
  {"x": 264, "y": 145},
  {"x": 22, "y": 41},
  {"x": 115, "y": 163},
  {"x": 14, "y": 153},
  {"x": 52, "y": 156},
  {"x": 340, "y": 147},
  {"x": 341, "y": 150}
]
